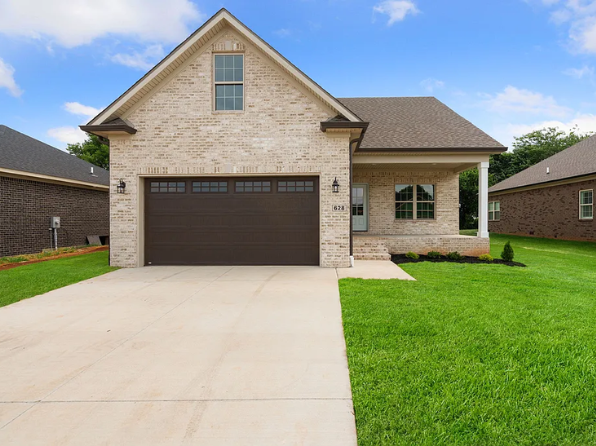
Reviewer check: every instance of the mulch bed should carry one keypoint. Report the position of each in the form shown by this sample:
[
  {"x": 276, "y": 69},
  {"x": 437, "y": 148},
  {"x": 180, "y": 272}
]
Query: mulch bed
[
  {"x": 58, "y": 256},
  {"x": 401, "y": 259}
]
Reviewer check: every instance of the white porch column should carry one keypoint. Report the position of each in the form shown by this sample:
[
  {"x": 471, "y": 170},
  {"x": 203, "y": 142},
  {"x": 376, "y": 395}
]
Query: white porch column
[{"x": 483, "y": 199}]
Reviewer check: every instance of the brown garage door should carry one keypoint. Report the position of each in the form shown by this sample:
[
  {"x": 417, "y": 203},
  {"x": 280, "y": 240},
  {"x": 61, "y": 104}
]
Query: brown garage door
[{"x": 232, "y": 221}]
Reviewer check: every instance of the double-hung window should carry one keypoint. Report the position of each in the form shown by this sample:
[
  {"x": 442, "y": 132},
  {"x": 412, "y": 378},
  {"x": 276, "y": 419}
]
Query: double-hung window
[
  {"x": 586, "y": 204},
  {"x": 494, "y": 211},
  {"x": 229, "y": 81},
  {"x": 414, "y": 201}
]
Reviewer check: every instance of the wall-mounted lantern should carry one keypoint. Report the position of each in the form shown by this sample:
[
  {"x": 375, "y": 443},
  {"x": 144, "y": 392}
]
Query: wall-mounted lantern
[
  {"x": 121, "y": 187},
  {"x": 335, "y": 186}
]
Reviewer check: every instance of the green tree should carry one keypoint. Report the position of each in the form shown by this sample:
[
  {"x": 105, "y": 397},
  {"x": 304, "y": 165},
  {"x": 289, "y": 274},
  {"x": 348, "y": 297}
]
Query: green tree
[{"x": 92, "y": 150}]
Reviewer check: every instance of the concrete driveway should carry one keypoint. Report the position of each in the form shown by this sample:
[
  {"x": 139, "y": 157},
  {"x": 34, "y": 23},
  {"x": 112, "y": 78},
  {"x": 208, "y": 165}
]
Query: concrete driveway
[{"x": 178, "y": 355}]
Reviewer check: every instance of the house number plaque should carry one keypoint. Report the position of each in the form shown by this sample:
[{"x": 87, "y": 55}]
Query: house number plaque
[{"x": 339, "y": 207}]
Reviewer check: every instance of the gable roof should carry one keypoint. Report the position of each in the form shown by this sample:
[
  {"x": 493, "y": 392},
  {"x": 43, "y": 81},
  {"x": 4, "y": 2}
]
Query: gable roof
[
  {"x": 19, "y": 152},
  {"x": 417, "y": 124},
  {"x": 193, "y": 44},
  {"x": 576, "y": 161}
]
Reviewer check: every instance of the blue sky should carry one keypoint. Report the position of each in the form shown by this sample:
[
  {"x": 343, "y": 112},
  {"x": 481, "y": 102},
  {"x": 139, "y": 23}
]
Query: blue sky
[{"x": 509, "y": 66}]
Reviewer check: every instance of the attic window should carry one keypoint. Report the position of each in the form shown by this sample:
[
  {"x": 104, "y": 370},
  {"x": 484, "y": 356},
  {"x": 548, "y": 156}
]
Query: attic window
[{"x": 229, "y": 81}]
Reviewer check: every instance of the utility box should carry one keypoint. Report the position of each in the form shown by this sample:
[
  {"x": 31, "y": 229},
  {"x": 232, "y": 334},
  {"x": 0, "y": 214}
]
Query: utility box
[{"x": 54, "y": 222}]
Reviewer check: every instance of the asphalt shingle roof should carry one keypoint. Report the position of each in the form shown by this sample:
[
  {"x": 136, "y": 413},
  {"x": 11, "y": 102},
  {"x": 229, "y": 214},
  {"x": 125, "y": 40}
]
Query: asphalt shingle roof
[
  {"x": 416, "y": 123},
  {"x": 576, "y": 161},
  {"x": 23, "y": 153}
]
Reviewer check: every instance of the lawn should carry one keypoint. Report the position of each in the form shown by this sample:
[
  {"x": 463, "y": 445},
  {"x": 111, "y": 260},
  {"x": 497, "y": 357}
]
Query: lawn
[
  {"x": 477, "y": 354},
  {"x": 30, "y": 280}
]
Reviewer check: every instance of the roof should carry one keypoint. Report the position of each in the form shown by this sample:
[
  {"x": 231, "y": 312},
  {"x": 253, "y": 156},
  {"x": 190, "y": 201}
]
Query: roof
[
  {"x": 193, "y": 44},
  {"x": 576, "y": 161},
  {"x": 25, "y": 154},
  {"x": 418, "y": 124}
]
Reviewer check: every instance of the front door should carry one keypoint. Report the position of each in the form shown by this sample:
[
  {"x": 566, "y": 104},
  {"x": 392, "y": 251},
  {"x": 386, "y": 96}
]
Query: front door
[{"x": 360, "y": 207}]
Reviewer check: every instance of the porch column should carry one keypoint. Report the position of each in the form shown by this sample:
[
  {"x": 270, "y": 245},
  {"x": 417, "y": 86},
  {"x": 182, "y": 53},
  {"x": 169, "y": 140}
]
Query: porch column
[{"x": 483, "y": 199}]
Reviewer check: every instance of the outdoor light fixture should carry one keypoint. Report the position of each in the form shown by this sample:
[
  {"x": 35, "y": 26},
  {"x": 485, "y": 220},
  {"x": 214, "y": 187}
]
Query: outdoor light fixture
[
  {"x": 335, "y": 186},
  {"x": 121, "y": 186}
]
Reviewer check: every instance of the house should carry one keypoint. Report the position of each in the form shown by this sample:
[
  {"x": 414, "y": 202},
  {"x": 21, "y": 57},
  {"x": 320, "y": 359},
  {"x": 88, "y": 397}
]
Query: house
[
  {"x": 231, "y": 155},
  {"x": 37, "y": 182},
  {"x": 552, "y": 199}
]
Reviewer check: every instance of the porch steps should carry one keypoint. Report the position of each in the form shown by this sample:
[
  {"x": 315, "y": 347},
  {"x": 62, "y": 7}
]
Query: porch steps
[{"x": 366, "y": 248}]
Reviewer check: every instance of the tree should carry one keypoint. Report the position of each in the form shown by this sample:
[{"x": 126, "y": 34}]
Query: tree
[
  {"x": 92, "y": 150},
  {"x": 527, "y": 150}
]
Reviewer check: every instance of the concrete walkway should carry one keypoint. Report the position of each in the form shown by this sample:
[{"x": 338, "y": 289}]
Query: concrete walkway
[
  {"x": 373, "y": 269},
  {"x": 179, "y": 355}
]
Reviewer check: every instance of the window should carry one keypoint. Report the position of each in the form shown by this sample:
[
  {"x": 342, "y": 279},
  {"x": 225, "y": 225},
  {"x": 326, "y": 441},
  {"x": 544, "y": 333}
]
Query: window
[
  {"x": 168, "y": 187},
  {"x": 494, "y": 211},
  {"x": 210, "y": 186},
  {"x": 295, "y": 186},
  {"x": 419, "y": 198},
  {"x": 229, "y": 82},
  {"x": 586, "y": 204},
  {"x": 253, "y": 186}
]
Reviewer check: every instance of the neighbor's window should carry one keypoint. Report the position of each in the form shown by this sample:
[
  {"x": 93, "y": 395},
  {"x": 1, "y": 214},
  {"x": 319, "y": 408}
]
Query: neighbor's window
[
  {"x": 414, "y": 201},
  {"x": 229, "y": 82},
  {"x": 494, "y": 211},
  {"x": 586, "y": 204}
]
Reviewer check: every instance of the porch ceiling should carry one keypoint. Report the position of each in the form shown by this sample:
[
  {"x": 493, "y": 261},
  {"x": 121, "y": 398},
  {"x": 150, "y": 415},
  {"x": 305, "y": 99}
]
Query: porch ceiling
[
  {"x": 432, "y": 162},
  {"x": 442, "y": 167}
]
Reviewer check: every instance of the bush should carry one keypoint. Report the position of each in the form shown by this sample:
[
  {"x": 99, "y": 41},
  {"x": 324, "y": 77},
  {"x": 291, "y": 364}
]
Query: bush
[
  {"x": 507, "y": 253},
  {"x": 434, "y": 255},
  {"x": 455, "y": 256},
  {"x": 486, "y": 258},
  {"x": 412, "y": 255}
]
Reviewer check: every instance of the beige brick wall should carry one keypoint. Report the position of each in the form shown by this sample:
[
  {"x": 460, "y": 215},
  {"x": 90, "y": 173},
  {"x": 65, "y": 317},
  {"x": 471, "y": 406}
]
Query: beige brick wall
[
  {"x": 381, "y": 184},
  {"x": 466, "y": 245},
  {"x": 180, "y": 134}
]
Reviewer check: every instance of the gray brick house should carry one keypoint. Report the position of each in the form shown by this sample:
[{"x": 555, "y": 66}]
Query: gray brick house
[
  {"x": 232, "y": 155},
  {"x": 553, "y": 199},
  {"x": 38, "y": 181}
]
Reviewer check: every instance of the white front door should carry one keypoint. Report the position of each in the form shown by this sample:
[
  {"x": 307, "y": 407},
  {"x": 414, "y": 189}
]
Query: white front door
[{"x": 360, "y": 207}]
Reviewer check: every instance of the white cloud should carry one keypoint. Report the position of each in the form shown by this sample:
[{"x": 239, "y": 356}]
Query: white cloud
[
  {"x": 397, "y": 10},
  {"x": 7, "y": 79},
  {"x": 67, "y": 135},
  {"x": 77, "y": 108},
  {"x": 71, "y": 23},
  {"x": 142, "y": 61},
  {"x": 580, "y": 18},
  {"x": 431, "y": 84},
  {"x": 517, "y": 100},
  {"x": 579, "y": 73},
  {"x": 282, "y": 32}
]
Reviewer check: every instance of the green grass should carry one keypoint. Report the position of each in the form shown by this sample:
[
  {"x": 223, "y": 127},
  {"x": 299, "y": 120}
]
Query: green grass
[
  {"x": 38, "y": 278},
  {"x": 477, "y": 354}
]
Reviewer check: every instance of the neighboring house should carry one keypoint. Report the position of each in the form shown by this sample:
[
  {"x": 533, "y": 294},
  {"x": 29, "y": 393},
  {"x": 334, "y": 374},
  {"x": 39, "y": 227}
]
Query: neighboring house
[
  {"x": 37, "y": 182},
  {"x": 554, "y": 198},
  {"x": 232, "y": 155}
]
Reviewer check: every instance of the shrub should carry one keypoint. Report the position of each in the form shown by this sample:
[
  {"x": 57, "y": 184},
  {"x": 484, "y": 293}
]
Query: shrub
[
  {"x": 486, "y": 258},
  {"x": 454, "y": 256},
  {"x": 434, "y": 255},
  {"x": 507, "y": 253},
  {"x": 412, "y": 255}
]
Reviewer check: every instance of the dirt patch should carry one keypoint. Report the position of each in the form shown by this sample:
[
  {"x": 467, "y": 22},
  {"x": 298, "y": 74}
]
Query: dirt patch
[
  {"x": 399, "y": 259},
  {"x": 78, "y": 252}
]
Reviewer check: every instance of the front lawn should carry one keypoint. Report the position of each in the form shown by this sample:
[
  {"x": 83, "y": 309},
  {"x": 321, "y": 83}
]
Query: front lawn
[
  {"x": 38, "y": 278},
  {"x": 477, "y": 354}
]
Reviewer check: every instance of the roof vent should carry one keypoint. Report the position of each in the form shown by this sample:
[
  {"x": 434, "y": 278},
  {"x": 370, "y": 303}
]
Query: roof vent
[
  {"x": 547, "y": 170},
  {"x": 91, "y": 171}
]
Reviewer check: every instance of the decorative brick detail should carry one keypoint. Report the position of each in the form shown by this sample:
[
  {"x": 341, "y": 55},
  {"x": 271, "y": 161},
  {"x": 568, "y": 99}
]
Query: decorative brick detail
[
  {"x": 551, "y": 212},
  {"x": 26, "y": 207},
  {"x": 277, "y": 133}
]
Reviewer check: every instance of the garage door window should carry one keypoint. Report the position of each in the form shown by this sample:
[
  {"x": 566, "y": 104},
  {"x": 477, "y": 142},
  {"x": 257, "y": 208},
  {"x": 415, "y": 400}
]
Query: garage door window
[
  {"x": 253, "y": 186},
  {"x": 168, "y": 187},
  {"x": 295, "y": 186},
  {"x": 209, "y": 187}
]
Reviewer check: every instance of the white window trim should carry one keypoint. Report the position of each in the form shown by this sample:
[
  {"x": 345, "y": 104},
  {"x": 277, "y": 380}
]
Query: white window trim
[
  {"x": 215, "y": 83},
  {"x": 415, "y": 202},
  {"x": 493, "y": 211},
  {"x": 585, "y": 205}
]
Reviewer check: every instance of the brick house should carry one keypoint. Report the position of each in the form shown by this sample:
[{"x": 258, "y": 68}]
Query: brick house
[
  {"x": 552, "y": 199},
  {"x": 37, "y": 182},
  {"x": 231, "y": 155}
]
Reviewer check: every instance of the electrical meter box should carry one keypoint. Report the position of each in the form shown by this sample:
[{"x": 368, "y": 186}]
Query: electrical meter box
[{"x": 54, "y": 222}]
